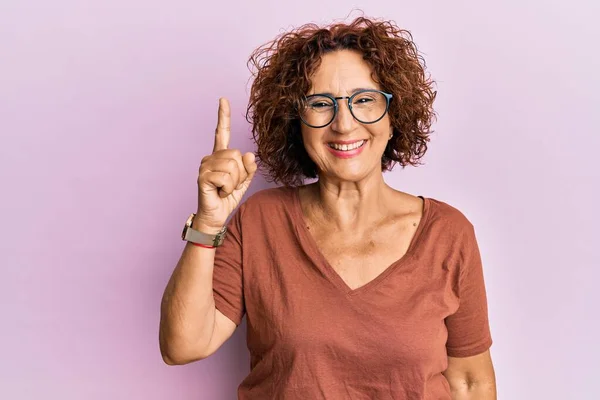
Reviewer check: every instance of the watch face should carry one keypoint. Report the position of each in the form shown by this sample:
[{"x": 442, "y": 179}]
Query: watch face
[
  {"x": 188, "y": 223},
  {"x": 185, "y": 228}
]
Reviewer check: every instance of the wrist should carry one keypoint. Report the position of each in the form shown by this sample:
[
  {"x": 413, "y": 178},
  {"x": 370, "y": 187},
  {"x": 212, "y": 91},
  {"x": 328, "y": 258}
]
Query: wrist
[
  {"x": 204, "y": 246},
  {"x": 204, "y": 228}
]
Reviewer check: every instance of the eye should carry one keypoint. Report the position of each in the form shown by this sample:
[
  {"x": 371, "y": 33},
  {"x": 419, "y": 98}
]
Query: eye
[
  {"x": 363, "y": 100},
  {"x": 320, "y": 104}
]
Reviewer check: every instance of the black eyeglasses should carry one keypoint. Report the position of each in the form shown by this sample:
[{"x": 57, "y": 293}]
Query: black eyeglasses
[{"x": 366, "y": 106}]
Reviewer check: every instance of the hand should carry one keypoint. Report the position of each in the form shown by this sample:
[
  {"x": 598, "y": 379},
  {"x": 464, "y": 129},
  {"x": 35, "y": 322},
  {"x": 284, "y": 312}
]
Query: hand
[{"x": 224, "y": 177}]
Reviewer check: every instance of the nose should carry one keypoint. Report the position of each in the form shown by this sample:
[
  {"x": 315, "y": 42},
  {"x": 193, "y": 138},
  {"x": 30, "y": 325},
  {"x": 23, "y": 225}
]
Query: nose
[{"x": 343, "y": 121}]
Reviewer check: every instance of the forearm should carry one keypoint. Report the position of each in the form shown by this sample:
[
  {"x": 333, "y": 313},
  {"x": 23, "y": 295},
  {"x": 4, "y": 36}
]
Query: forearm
[
  {"x": 473, "y": 391},
  {"x": 188, "y": 307}
]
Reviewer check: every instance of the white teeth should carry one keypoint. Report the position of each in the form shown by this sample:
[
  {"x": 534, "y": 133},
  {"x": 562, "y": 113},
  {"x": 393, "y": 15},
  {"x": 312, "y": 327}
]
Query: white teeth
[{"x": 346, "y": 147}]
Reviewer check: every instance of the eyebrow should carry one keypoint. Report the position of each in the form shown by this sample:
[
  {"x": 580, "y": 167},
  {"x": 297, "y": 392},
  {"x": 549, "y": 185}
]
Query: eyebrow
[{"x": 351, "y": 92}]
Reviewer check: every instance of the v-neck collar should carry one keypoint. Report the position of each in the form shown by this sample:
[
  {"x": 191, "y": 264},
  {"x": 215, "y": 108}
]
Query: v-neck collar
[{"x": 310, "y": 245}]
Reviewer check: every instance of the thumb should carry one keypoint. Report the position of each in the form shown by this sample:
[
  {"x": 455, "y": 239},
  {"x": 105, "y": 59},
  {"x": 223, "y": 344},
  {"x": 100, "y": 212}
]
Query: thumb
[{"x": 249, "y": 160}]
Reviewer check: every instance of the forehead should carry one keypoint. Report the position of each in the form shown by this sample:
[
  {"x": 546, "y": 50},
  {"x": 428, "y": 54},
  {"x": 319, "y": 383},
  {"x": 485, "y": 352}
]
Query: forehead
[{"x": 341, "y": 72}]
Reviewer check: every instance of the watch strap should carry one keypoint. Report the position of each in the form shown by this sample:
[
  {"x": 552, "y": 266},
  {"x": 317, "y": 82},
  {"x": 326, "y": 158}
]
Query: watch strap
[{"x": 195, "y": 236}]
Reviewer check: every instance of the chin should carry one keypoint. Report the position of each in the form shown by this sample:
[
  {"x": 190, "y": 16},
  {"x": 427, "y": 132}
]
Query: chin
[{"x": 348, "y": 175}]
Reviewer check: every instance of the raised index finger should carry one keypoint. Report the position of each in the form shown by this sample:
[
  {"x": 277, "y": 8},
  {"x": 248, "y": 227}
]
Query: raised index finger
[{"x": 223, "y": 131}]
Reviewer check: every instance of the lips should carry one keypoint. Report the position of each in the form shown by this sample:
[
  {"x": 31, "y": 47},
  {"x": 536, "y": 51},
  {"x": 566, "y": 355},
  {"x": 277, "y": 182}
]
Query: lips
[{"x": 347, "y": 151}]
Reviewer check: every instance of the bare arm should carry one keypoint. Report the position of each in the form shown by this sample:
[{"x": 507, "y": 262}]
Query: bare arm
[
  {"x": 472, "y": 378},
  {"x": 191, "y": 328}
]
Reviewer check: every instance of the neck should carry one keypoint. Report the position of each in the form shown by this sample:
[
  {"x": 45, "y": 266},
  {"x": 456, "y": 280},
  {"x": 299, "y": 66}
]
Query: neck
[{"x": 350, "y": 206}]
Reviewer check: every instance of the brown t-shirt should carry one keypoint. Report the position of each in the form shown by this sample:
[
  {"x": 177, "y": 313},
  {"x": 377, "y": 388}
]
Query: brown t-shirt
[{"x": 311, "y": 336}]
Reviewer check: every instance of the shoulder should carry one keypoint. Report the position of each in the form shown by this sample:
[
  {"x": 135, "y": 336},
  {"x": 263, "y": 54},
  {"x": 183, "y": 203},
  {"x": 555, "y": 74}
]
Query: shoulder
[
  {"x": 270, "y": 196},
  {"x": 452, "y": 230},
  {"x": 269, "y": 200},
  {"x": 448, "y": 217}
]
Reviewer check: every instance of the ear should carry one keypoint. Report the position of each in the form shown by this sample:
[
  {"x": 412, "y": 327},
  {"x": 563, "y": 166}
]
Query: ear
[{"x": 391, "y": 132}]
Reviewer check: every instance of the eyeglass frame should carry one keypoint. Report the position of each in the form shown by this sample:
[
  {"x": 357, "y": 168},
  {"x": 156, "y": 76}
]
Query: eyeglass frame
[{"x": 388, "y": 97}]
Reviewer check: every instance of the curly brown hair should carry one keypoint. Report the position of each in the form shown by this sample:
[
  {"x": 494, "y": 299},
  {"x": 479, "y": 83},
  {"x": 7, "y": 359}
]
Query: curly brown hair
[{"x": 282, "y": 69}]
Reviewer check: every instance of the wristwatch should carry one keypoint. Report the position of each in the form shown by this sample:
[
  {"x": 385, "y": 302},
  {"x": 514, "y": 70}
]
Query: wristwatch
[{"x": 194, "y": 236}]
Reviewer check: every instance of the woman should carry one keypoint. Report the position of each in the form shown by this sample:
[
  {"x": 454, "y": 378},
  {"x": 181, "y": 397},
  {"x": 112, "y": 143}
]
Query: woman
[{"x": 352, "y": 289}]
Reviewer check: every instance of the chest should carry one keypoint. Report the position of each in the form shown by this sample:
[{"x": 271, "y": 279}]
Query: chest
[
  {"x": 297, "y": 306},
  {"x": 297, "y": 309},
  {"x": 360, "y": 258}
]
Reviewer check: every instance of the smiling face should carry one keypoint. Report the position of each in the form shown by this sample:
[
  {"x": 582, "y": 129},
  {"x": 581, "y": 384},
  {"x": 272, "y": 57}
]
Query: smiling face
[{"x": 343, "y": 73}]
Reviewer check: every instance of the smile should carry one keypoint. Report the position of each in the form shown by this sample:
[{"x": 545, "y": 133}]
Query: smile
[
  {"x": 347, "y": 147},
  {"x": 347, "y": 150}
]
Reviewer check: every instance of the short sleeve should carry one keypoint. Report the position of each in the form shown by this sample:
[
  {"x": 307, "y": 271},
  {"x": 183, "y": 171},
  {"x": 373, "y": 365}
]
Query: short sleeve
[
  {"x": 468, "y": 328},
  {"x": 227, "y": 272}
]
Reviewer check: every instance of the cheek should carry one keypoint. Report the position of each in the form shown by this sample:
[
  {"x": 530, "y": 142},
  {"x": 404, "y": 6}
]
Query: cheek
[
  {"x": 311, "y": 139},
  {"x": 380, "y": 131}
]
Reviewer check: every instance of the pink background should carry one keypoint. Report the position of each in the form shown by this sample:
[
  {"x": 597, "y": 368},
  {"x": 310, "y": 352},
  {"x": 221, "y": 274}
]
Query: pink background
[{"x": 107, "y": 107}]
